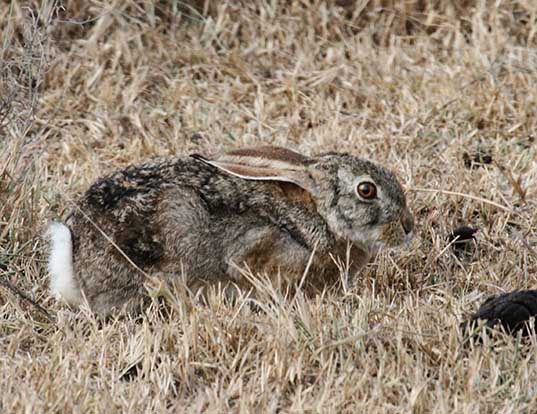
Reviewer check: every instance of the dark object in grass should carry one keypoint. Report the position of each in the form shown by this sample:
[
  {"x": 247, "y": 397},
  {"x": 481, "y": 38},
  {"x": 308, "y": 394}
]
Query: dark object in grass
[
  {"x": 476, "y": 160},
  {"x": 510, "y": 311},
  {"x": 196, "y": 137},
  {"x": 462, "y": 236},
  {"x": 132, "y": 372}
]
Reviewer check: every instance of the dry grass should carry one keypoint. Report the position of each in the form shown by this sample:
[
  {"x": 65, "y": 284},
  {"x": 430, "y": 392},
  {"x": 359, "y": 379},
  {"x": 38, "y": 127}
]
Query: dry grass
[{"x": 413, "y": 85}]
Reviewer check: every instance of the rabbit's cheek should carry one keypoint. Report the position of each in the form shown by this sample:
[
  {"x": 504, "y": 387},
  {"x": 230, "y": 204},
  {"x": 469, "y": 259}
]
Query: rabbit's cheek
[{"x": 368, "y": 238}]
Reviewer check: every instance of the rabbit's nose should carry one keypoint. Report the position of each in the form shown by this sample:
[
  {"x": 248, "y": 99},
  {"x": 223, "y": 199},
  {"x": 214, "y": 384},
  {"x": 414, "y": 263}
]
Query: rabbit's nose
[{"x": 407, "y": 220}]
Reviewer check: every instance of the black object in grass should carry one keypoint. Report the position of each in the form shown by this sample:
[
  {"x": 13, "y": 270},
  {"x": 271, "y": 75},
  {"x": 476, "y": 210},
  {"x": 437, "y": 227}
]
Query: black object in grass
[
  {"x": 476, "y": 160},
  {"x": 510, "y": 311},
  {"x": 461, "y": 236},
  {"x": 132, "y": 372}
]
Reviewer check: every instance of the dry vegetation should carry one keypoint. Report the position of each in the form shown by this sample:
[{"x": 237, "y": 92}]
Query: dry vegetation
[{"x": 95, "y": 85}]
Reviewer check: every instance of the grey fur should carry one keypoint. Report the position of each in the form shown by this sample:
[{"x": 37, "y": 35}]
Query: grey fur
[{"x": 184, "y": 216}]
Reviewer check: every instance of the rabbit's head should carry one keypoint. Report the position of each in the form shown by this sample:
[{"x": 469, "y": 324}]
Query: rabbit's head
[{"x": 359, "y": 200}]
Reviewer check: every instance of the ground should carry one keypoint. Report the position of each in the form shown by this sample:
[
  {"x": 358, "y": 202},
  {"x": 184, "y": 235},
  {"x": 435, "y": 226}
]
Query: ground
[{"x": 444, "y": 93}]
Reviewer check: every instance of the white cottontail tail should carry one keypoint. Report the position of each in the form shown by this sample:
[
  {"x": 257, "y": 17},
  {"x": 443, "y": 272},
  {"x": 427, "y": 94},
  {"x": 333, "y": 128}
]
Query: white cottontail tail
[{"x": 267, "y": 207}]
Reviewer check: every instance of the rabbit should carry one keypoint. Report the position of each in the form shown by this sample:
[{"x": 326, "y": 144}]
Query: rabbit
[{"x": 202, "y": 218}]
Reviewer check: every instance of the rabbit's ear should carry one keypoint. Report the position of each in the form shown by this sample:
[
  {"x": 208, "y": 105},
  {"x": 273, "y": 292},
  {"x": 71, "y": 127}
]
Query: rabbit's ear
[{"x": 266, "y": 163}]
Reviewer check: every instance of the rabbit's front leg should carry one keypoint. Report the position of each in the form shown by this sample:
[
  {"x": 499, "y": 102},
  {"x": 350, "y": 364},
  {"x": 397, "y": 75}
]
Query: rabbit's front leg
[{"x": 266, "y": 249}]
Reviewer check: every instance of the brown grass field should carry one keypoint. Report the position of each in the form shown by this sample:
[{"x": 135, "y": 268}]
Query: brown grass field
[{"x": 422, "y": 86}]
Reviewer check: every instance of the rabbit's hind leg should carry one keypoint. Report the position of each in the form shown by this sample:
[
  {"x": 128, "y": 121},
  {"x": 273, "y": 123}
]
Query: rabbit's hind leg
[{"x": 108, "y": 282}]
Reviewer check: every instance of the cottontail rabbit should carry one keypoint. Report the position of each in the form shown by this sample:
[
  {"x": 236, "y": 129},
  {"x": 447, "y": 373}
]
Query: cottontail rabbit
[{"x": 270, "y": 208}]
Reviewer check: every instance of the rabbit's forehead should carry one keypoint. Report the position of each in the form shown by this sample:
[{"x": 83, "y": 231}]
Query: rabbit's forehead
[{"x": 361, "y": 170}]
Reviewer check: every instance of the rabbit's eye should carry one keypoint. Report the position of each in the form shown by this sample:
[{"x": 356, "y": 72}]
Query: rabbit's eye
[{"x": 367, "y": 190}]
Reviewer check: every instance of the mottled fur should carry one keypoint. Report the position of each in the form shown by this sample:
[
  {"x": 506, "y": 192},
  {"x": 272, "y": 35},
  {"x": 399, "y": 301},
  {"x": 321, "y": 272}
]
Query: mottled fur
[{"x": 197, "y": 217}]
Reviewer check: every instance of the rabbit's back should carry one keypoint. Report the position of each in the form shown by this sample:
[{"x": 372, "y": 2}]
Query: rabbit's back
[{"x": 141, "y": 208}]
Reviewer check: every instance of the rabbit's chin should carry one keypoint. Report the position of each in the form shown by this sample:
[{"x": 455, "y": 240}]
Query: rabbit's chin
[
  {"x": 381, "y": 245},
  {"x": 374, "y": 240}
]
